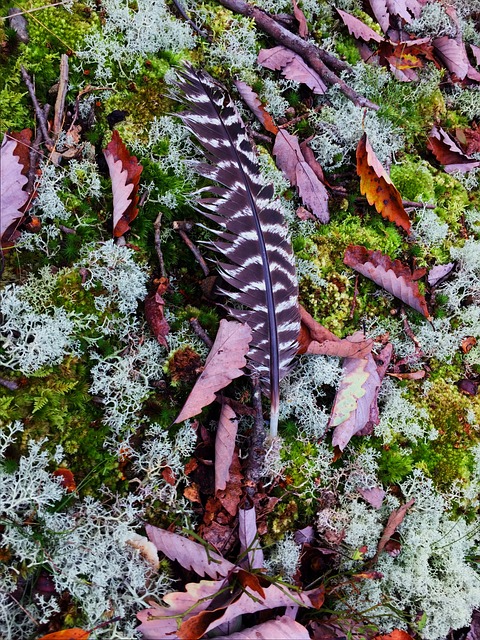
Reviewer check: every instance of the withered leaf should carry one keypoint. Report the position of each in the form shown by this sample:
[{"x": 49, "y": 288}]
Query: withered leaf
[
  {"x": 292, "y": 67},
  {"x": 191, "y": 555},
  {"x": 453, "y": 55},
  {"x": 154, "y": 304},
  {"x": 224, "y": 445},
  {"x": 283, "y": 628},
  {"x": 381, "y": 13},
  {"x": 67, "y": 634},
  {"x": 146, "y": 548},
  {"x": 396, "y": 634},
  {"x": 390, "y": 274},
  {"x": 358, "y": 29},
  {"x": 14, "y": 164},
  {"x": 373, "y": 496},
  {"x": 447, "y": 152},
  {"x": 439, "y": 273},
  {"x": 376, "y": 185},
  {"x": 248, "y": 537},
  {"x": 255, "y": 105},
  {"x": 395, "y": 519},
  {"x": 302, "y": 21},
  {"x": 223, "y": 364},
  {"x": 125, "y": 173}
]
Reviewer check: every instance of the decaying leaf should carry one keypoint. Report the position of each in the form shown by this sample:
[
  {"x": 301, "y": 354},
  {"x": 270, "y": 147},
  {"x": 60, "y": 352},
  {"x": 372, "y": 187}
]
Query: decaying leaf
[
  {"x": 255, "y": 105},
  {"x": 125, "y": 173},
  {"x": 14, "y": 164},
  {"x": 396, "y": 634},
  {"x": 223, "y": 364},
  {"x": 395, "y": 519},
  {"x": 291, "y": 161},
  {"x": 154, "y": 304},
  {"x": 376, "y": 185},
  {"x": 358, "y": 29},
  {"x": 448, "y": 152},
  {"x": 191, "y": 555},
  {"x": 355, "y": 394},
  {"x": 67, "y": 634},
  {"x": 146, "y": 548},
  {"x": 302, "y": 21},
  {"x": 292, "y": 67},
  {"x": 247, "y": 534},
  {"x": 224, "y": 445},
  {"x": 283, "y": 628},
  {"x": 390, "y": 274},
  {"x": 373, "y": 496},
  {"x": 439, "y": 273},
  {"x": 453, "y": 54}
]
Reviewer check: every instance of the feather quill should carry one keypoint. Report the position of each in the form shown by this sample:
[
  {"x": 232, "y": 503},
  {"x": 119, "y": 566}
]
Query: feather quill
[{"x": 253, "y": 238}]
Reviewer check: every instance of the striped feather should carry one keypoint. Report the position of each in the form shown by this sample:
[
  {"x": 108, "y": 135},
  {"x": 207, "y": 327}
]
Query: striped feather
[{"x": 259, "y": 264}]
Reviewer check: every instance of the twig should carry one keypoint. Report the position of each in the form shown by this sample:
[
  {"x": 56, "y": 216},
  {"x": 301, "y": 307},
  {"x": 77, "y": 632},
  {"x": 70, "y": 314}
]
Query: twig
[
  {"x": 406, "y": 203},
  {"x": 67, "y": 230},
  {"x": 61, "y": 95},
  {"x": 183, "y": 13},
  {"x": 180, "y": 226},
  {"x": 9, "y": 384},
  {"x": 304, "y": 116},
  {"x": 42, "y": 121},
  {"x": 158, "y": 246},
  {"x": 201, "y": 333},
  {"x": 35, "y": 154},
  {"x": 256, "y": 450},
  {"x": 309, "y": 52}
]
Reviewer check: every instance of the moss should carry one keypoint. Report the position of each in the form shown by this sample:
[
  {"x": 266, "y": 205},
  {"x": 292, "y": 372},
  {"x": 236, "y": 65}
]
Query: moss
[
  {"x": 452, "y": 200},
  {"x": 414, "y": 180},
  {"x": 347, "y": 49}
]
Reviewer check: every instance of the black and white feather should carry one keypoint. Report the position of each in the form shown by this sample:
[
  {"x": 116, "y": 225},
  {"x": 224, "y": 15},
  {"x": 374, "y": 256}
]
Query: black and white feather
[{"x": 259, "y": 266}]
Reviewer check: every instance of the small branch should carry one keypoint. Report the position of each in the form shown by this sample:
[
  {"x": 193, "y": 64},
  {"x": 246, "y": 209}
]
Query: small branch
[
  {"x": 184, "y": 15},
  {"x": 180, "y": 226},
  {"x": 256, "y": 450},
  {"x": 158, "y": 247},
  {"x": 406, "y": 203},
  {"x": 201, "y": 333},
  {"x": 35, "y": 154},
  {"x": 61, "y": 95},
  {"x": 42, "y": 121},
  {"x": 312, "y": 55}
]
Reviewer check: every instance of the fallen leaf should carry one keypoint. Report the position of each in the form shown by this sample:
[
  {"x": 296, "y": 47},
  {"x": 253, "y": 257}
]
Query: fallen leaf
[
  {"x": 447, "y": 152},
  {"x": 376, "y": 185},
  {"x": 439, "y": 273},
  {"x": 224, "y": 445},
  {"x": 468, "y": 343},
  {"x": 191, "y": 555},
  {"x": 283, "y": 628},
  {"x": 476, "y": 53},
  {"x": 396, "y": 634},
  {"x": 390, "y": 274},
  {"x": 287, "y": 154},
  {"x": 302, "y": 21},
  {"x": 358, "y": 29},
  {"x": 255, "y": 105},
  {"x": 67, "y": 479},
  {"x": 146, "y": 548},
  {"x": 14, "y": 164},
  {"x": 67, "y": 634},
  {"x": 380, "y": 11},
  {"x": 223, "y": 364},
  {"x": 248, "y": 537},
  {"x": 373, "y": 496},
  {"x": 453, "y": 55},
  {"x": 292, "y": 67},
  {"x": 192, "y": 493},
  {"x": 312, "y": 192},
  {"x": 382, "y": 361},
  {"x": 395, "y": 519},
  {"x": 353, "y": 399},
  {"x": 125, "y": 173},
  {"x": 410, "y": 375},
  {"x": 230, "y": 497},
  {"x": 154, "y": 305}
]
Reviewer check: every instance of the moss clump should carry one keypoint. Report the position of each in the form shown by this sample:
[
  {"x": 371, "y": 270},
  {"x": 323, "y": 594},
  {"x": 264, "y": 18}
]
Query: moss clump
[{"x": 414, "y": 179}]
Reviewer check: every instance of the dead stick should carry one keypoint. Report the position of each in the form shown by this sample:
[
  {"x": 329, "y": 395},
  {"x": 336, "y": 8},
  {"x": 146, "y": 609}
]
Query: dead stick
[
  {"x": 201, "y": 333},
  {"x": 309, "y": 52},
  {"x": 35, "y": 154},
  {"x": 256, "y": 455},
  {"x": 42, "y": 121},
  {"x": 61, "y": 95},
  {"x": 180, "y": 227},
  {"x": 406, "y": 203},
  {"x": 158, "y": 244}
]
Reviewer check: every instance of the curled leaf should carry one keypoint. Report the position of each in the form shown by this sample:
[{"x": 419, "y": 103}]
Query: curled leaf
[
  {"x": 223, "y": 364},
  {"x": 390, "y": 274},
  {"x": 125, "y": 173},
  {"x": 395, "y": 519},
  {"x": 376, "y": 185},
  {"x": 14, "y": 164},
  {"x": 154, "y": 305},
  {"x": 255, "y": 105},
  {"x": 248, "y": 537}
]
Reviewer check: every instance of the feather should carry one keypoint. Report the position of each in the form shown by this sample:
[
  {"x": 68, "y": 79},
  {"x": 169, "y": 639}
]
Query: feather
[{"x": 253, "y": 238}]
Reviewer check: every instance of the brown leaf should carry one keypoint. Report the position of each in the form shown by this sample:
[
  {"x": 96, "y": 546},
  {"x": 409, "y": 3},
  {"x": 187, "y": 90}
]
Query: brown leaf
[
  {"x": 288, "y": 154},
  {"x": 395, "y": 519},
  {"x": 146, "y": 548},
  {"x": 292, "y": 67},
  {"x": 230, "y": 497},
  {"x": 154, "y": 304},
  {"x": 468, "y": 343},
  {"x": 125, "y": 173},
  {"x": 376, "y": 185},
  {"x": 302, "y": 21},
  {"x": 191, "y": 555},
  {"x": 310, "y": 330},
  {"x": 447, "y": 152},
  {"x": 223, "y": 364},
  {"x": 283, "y": 628},
  {"x": 252, "y": 100},
  {"x": 358, "y": 29},
  {"x": 192, "y": 493},
  {"x": 67, "y": 479},
  {"x": 224, "y": 445},
  {"x": 410, "y": 375},
  {"x": 14, "y": 165},
  {"x": 390, "y": 274}
]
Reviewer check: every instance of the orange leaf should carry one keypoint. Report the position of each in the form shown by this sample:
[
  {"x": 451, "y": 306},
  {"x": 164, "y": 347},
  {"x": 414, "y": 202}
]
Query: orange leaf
[
  {"x": 67, "y": 634},
  {"x": 396, "y": 634},
  {"x": 376, "y": 185},
  {"x": 125, "y": 175},
  {"x": 253, "y": 102},
  {"x": 68, "y": 480}
]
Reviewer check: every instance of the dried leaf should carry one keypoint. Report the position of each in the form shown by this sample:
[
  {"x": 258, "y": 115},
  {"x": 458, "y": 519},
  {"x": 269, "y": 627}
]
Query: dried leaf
[
  {"x": 476, "y": 53},
  {"x": 376, "y": 185},
  {"x": 154, "y": 304},
  {"x": 67, "y": 634},
  {"x": 359, "y": 29},
  {"x": 439, "y": 273},
  {"x": 125, "y": 173},
  {"x": 404, "y": 8},
  {"x": 373, "y": 496},
  {"x": 283, "y": 628},
  {"x": 288, "y": 154},
  {"x": 410, "y": 375},
  {"x": 396, "y": 634},
  {"x": 302, "y": 21},
  {"x": 353, "y": 400},
  {"x": 447, "y": 152},
  {"x": 468, "y": 343},
  {"x": 292, "y": 67},
  {"x": 191, "y": 555},
  {"x": 146, "y": 548},
  {"x": 453, "y": 55},
  {"x": 14, "y": 164},
  {"x": 390, "y": 274},
  {"x": 395, "y": 519},
  {"x": 224, "y": 445},
  {"x": 223, "y": 364},
  {"x": 252, "y": 100},
  {"x": 248, "y": 537}
]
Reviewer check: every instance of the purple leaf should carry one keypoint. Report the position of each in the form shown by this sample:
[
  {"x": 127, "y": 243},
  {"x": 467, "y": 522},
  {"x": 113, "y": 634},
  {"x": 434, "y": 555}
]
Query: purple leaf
[
  {"x": 359, "y": 29},
  {"x": 248, "y": 537},
  {"x": 439, "y": 273},
  {"x": 312, "y": 191},
  {"x": 13, "y": 165},
  {"x": 373, "y": 496},
  {"x": 292, "y": 67},
  {"x": 380, "y": 11},
  {"x": 453, "y": 55}
]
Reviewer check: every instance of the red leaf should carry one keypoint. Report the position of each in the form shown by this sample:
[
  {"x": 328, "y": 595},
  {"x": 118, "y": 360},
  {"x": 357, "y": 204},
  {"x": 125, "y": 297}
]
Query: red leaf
[
  {"x": 67, "y": 634},
  {"x": 68, "y": 480},
  {"x": 376, "y": 185},
  {"x": 396, "y": 634},
  {"x": 302, "y": 21},
  {"x": 445, "y": 148},
  {"x": 390, "y": 274},
  {"x": 154, "y": 304},
  {"x": 14, "y": 164},
  {"x": 359, "y": 29},
  {"x": 292, "y": 67},
  {"x": 224, "y": 445},
  {"x": 253, "y": 102},
  {"x": 223, "y": 364},
  {"x": 125, "y": 175}
]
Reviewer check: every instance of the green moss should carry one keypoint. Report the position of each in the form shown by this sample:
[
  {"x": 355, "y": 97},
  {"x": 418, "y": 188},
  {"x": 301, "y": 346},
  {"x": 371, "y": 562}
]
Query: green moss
[
  {"x": 414, "y": 180},
  {"x": 347, "y": 49}
]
